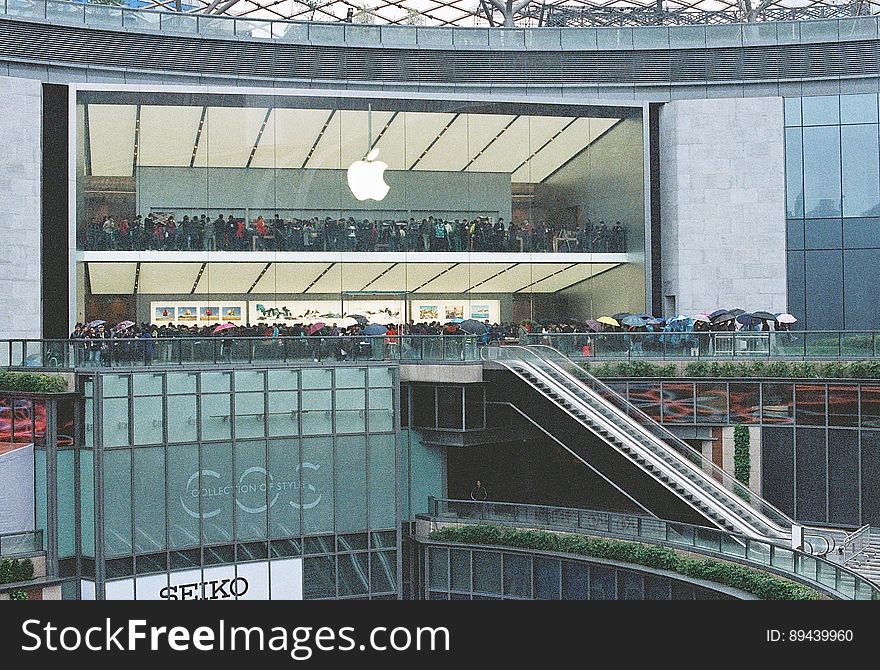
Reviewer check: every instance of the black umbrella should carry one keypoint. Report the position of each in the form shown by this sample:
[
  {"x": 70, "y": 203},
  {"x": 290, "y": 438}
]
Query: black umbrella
[
  {"x": 724, "y": 318},
  {"x": 717, "y": 312},
  {"x": 375, "y": 329},
  {"x": 620, "y": 316},
  {"x": 737, "y": 312},
  {"x": 764, "y": 316},
  {"x": 473, "y": 327},
  {"x": 360, "y": 318}
]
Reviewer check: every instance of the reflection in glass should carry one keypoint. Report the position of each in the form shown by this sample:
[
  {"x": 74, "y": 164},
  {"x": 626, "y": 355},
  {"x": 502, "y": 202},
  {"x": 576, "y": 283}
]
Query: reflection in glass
[
  {"x": 822, "y": 187},
  {"x": 859, "y": 147}
]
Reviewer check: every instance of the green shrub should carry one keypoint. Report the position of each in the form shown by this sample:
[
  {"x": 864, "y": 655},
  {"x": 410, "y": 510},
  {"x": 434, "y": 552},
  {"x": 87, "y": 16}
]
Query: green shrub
[
  {"x": 731, "y": 369},
  {"x": 742, "y": 465},
  {"x": 761, "y": 584},
  {"x": 18, "y": 594},
  {"x": 632, "y": 369},
  {"x": 12, "y": 570},
  {"x": 32, "y": 382},
  {"x": 698, "y": 369}
]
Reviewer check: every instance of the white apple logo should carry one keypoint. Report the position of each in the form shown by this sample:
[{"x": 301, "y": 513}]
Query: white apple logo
[{"x": 366, "y": 180}]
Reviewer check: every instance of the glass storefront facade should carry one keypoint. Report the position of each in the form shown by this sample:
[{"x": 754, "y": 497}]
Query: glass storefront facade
[
  {"x": 819, "y": 445},
  {"x": 549, "y": 196},
  {"x": 269, "y": 475},
  {"x": 832, "y": 174},
  {"x": 464, "y": 573}
]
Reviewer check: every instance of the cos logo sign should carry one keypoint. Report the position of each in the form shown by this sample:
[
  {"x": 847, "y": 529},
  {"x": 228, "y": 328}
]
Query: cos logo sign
[{"x": 255, "y": 492}]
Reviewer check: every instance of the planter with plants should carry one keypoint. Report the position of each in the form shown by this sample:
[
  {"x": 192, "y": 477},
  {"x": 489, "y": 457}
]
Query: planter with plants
[
  {"x": 761, "y": 584},
  {"x": 32, "y": 382}
]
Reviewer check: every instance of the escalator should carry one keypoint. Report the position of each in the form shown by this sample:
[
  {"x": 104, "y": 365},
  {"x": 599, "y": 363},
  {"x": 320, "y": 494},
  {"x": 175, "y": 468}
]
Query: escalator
[{"x": 672, "y": 465}]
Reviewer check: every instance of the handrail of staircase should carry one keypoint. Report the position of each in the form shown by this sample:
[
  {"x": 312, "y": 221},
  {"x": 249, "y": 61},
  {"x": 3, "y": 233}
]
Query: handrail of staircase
[
  {"x": 855, "y": 543},
  {"x": 687, "y": 454},
  {"x": 659, "y": 431}
]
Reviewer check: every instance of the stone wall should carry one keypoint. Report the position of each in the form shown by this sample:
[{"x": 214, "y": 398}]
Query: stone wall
[
  {"x": 722, "y": 182},
  {"x": 20, "y": 207}
]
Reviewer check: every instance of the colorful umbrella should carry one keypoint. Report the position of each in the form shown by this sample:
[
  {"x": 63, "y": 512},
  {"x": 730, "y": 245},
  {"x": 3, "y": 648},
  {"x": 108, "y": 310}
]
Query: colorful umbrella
[
  {"x": 375, "y": 329},
  {"x": 593, "y": 325},
  {"x": 786, "y": 318},
  {"x": 123, "y": 325},
  {"x": 608, "y": 321},
  {"x": 95, "y": 323},
  {"x": 473, "y": 327},
  {"x": 222, "y": 327},
  {"x": 315, "y": 327},
  {"x": 635, "y": 321},
  {"x": 703, "y": 318}
]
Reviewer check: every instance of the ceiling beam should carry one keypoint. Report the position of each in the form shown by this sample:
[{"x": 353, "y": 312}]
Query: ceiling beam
[{"x": 318, "y": 138}]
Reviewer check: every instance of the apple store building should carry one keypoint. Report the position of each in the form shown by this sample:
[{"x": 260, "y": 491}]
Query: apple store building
[{"x": 258, "y": 206}]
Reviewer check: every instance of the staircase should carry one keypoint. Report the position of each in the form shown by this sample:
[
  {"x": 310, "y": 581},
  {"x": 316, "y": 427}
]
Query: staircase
[
  {"x": 707, "y": 489},
  {"x": 867, "y": 563}
]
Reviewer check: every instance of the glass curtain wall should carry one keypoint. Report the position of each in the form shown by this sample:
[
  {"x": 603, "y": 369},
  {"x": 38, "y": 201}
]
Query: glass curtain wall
[
  {"x": 833, "y": 210},
  {"x": 194, "y": 173},
  {"x": 215, "y": 468}
]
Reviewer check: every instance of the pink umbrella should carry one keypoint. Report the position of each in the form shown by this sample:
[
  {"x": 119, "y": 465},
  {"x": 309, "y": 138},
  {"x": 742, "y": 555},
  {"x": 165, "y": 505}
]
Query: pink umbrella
[
  {"x": 223, "y": 326},
  {"x": 315, "y": 327}
]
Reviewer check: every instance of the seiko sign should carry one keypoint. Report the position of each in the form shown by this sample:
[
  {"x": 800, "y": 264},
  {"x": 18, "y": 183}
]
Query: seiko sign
[
  {"x": 255, "y": 492},
  {"x": 216, "y": 589},
  {"x": 277, "y": 579}
]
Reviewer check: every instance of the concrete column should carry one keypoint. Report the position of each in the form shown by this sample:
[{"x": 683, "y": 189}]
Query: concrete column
[
  {"x": 722, "y": 204},
  {"x": 20, "y": 207}
]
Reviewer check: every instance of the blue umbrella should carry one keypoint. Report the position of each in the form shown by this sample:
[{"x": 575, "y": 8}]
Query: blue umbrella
[
  {"x": 635, "y": 321},
  {"x": 375, "y": 329}
]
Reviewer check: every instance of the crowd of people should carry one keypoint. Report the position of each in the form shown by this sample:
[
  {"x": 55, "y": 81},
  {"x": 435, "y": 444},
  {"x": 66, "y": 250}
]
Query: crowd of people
[
  {"x": 101, "y": 343},
  {"x": 199, "y": 232}
]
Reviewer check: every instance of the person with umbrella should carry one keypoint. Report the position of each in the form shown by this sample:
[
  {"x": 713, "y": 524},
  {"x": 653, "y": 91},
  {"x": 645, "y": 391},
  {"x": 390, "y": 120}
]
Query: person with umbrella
[
  {"x": 315, "y": 331},
  {"x": 371, "y": 347},
  {"x": 225, "y": 331}
]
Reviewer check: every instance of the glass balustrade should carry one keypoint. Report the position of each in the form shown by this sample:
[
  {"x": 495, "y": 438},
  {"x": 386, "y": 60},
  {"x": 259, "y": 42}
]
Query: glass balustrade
[{"x": 844, "y": 583}]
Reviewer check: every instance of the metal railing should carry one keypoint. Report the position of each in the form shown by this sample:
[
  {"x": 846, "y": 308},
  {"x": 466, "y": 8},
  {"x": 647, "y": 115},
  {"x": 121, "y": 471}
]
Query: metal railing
[
  {"x": 692, "y": 345},
  {"x": 588, "y": 347},
  {"x": 176, "y": 351},
  {"x": 24, "y": 542},
  {"x": 820, "y": 572},
  {"x": 292, "y": 30},
  {"x": 854, "y": 544}
]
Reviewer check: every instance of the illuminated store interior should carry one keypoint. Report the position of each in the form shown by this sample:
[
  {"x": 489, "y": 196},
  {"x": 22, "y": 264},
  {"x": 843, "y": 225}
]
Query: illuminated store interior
[{"x": 552, "y": 170}]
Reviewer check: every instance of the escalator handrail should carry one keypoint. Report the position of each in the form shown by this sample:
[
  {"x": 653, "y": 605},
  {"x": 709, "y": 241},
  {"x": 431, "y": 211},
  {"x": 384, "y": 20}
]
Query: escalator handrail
[
  {"x": 658, "y": 431},
  {"x": 772, "y": 527},
  {"x": 736, "y": 519}
]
